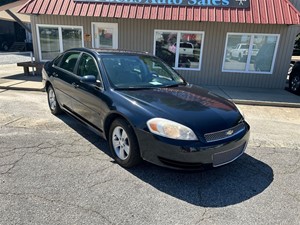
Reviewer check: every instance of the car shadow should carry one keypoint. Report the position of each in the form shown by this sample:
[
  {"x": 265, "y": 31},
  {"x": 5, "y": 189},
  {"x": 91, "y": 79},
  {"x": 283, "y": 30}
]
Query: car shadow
[{"x": 218, "y": 187}]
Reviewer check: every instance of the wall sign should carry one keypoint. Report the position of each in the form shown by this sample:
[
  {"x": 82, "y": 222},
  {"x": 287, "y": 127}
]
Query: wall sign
[{"x": 200, "y": 3}]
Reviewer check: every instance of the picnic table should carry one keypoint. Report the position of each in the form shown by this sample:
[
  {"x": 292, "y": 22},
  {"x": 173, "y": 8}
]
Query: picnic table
[{"x": 26, "y": 65}]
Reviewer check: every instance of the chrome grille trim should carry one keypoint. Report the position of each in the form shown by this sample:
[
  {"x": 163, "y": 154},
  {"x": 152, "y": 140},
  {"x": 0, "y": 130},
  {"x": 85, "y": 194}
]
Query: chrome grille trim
[
  {"x": 222, "y": 158},
  {"x": 224, "y": 134}
]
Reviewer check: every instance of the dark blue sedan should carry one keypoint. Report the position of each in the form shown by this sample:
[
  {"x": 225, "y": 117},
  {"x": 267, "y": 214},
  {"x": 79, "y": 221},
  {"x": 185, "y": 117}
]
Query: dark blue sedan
[{"x": 145, "y": 109}]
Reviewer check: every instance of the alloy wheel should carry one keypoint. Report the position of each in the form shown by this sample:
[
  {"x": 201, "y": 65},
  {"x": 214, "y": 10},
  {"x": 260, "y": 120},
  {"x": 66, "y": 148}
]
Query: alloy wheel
[
  {"x": 295, "y": 83},
  {"x": 52, "y": 99},
  {"x": 120, "y": 142}
]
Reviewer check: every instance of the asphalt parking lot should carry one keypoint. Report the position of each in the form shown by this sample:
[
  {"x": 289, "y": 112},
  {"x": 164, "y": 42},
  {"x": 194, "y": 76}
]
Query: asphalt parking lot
[{"x": 55, "y": 171}]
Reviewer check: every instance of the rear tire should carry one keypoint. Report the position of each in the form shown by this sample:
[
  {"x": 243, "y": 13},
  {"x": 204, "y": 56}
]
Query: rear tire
[
  {"x": 5, "y": 47},
  {"x": 52, "y": 101},
  {"x": 294, "y": 83},
  {"x": 123, "y": 144}
]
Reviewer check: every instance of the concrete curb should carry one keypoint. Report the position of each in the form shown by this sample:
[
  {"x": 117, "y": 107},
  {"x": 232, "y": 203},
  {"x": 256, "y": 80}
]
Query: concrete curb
[{"x": 266, "y": 103}]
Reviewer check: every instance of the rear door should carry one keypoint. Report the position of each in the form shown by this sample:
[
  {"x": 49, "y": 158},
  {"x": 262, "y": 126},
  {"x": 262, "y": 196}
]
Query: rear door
[{"x": 63, "y": 78}]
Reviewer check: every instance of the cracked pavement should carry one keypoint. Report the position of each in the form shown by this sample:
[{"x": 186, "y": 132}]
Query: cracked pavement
[{"x": 53, "y": 170}]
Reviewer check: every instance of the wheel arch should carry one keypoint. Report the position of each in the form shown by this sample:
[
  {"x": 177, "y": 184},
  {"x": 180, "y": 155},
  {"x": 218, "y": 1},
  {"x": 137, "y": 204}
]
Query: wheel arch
[{"x": 109, "y": 119}]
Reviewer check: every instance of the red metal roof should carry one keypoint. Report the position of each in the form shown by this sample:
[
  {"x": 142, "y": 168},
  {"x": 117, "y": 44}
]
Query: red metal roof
[{"x": 260, "y": 11}]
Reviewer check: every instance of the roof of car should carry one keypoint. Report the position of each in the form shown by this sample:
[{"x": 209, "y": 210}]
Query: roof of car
[{"x": 109, "y": 51}]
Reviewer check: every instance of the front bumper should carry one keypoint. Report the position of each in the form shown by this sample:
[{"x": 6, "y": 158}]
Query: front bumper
[{"x": 187, "y": 155}]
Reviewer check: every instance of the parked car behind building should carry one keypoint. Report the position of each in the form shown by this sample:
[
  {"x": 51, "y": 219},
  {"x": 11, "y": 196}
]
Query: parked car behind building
[{"x": 294, "y": 78}]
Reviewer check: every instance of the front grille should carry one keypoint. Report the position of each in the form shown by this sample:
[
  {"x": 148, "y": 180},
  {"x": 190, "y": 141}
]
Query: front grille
[
  {"x": 224, "y": 134},
  {"x": 184, "y": 165},
  {"x": 222, "y": 158}
]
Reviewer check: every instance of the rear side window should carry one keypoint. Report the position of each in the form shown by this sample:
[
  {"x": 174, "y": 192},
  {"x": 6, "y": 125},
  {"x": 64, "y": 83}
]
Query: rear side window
[{"x": 69, "y": 61}]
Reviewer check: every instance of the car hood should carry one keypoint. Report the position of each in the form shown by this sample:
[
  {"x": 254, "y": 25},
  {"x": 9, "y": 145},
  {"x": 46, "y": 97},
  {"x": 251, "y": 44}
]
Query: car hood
[{"x": 189, "y": 105}]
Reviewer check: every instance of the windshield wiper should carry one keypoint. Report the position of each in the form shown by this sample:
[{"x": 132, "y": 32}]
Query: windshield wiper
[{"x": 132, "y": 88}]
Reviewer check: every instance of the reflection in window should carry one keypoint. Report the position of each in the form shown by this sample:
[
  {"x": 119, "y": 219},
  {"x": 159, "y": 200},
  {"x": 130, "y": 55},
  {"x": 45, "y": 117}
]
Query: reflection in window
[
  {"x": 179, "y": 49},
  {"x": 72, "y": 38},
  {"x": 105, "y": 35},
  {"x": 250, "y": 53},
  {"x": 265, "y": 53},
  {"x": 56, "y": 39},
  {"x": 49, "y": 42}
]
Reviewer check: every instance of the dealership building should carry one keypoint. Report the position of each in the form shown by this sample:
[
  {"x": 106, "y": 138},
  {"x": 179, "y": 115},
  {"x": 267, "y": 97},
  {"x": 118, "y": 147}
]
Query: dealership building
[{"x": 242, "y": 43}]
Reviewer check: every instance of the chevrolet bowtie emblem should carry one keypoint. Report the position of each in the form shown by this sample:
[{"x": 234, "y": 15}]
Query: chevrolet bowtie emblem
[{"x": 230, "y": 132}]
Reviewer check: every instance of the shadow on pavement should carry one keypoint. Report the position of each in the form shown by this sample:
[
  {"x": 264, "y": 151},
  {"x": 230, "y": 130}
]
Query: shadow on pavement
[
  {"x": 219, "y": 187},
  {"x": 21, "y": 76}
]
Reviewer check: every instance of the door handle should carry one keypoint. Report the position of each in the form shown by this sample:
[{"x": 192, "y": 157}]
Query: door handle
[
  {"x": 54, "y": 74},
  {"x": 75, "y": 85}
]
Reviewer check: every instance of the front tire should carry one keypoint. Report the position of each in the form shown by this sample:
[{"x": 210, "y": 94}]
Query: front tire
[
  {"x": 52, "y": 101},
  {"x": 294, "y": 83},
  {"x": 123, "y": 144}
]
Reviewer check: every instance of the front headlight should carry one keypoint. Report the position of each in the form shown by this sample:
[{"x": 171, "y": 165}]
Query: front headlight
[{"x": 170, "y": 129}]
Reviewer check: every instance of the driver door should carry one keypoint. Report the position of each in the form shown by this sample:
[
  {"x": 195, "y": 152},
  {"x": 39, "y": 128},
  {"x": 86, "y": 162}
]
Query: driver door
[{"x": 88, "y": 102}]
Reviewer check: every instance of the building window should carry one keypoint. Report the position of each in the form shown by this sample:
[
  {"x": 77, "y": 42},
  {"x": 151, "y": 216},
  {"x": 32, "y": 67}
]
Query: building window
[
  {"x": 250, "y": 53},
  {"x": 105, "y": 35},
  {"x": 54, "y": 39},
  {"x": 71, "y": 37},
  {"x": 179, "y": 49}
]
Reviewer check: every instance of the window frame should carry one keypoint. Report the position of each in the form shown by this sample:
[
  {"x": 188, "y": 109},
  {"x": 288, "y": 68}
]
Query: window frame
[
  {"x": 60, "y": 38},
  {"x": 248, "y": 61},
  {"x": 179, "y": 32}
]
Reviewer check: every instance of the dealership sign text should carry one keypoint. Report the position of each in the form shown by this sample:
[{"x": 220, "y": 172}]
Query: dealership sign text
[{"x": 200, "y": 3}]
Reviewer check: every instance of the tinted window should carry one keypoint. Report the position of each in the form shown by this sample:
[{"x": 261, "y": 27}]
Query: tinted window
[
  {"x": 57, "y": 60},
  {"x": 244, "y": 46},
  {"x": 69, "y": 61},
  {"x": 186, "y": 45},
  {"x": 87, "y": 66}
]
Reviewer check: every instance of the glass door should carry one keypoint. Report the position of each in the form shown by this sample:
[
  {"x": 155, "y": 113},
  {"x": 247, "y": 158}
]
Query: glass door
[{"x": 105, "y": 35}]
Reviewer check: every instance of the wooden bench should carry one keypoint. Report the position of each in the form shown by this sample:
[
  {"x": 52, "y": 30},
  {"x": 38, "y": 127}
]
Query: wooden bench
[{"x": 26, "y": 65}]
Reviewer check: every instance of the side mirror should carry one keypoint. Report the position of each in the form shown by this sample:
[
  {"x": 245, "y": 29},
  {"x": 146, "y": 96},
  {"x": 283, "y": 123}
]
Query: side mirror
[{"x": 88, "y": 79}]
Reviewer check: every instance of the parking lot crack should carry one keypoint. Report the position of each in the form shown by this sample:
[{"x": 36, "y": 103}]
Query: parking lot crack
[
  {"x": 10, "y": 166},
  {"x": 12, "y": 121},
  {"x": 203, "y": 217}
]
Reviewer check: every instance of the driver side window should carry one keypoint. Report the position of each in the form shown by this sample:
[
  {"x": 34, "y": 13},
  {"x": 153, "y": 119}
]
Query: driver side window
[{"x": 87, "y": 66}]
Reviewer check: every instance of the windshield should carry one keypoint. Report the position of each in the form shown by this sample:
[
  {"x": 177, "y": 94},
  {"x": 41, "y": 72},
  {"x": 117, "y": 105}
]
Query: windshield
[{"x": 139, "y": 71}]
